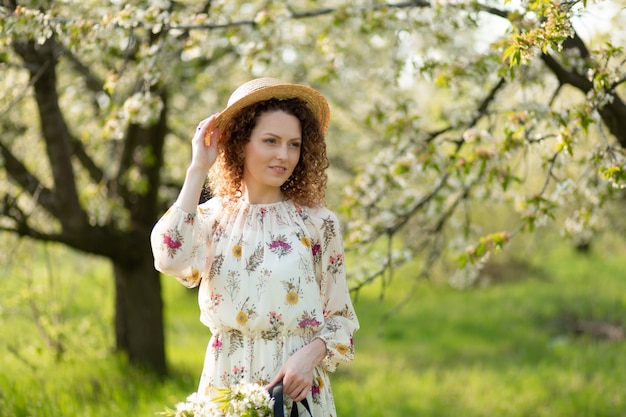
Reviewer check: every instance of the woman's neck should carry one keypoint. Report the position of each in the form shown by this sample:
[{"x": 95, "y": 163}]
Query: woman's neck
[{"x": 266, "y": 196}]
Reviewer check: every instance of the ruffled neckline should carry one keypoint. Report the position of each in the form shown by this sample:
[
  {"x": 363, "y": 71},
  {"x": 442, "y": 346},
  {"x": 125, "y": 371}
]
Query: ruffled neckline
[{"x": 243, "y": 203}]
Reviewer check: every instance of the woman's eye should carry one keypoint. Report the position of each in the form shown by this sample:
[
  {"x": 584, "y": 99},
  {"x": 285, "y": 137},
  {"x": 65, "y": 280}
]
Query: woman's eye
[
  {"x": 270, "y": 140},
  {"x": 296, "y": 144}
]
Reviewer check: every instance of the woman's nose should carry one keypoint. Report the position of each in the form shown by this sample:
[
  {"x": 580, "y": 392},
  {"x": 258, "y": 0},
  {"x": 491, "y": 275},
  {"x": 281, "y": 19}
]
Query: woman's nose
[{"x": 282, "y": 153}]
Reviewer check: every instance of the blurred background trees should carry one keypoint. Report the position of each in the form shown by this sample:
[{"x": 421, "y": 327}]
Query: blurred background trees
[{"x": 456, "y": 125}]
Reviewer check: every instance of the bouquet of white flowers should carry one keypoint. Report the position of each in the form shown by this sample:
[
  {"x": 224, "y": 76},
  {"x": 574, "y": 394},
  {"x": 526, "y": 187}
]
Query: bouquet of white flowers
[{"x": 240, "y": 400}]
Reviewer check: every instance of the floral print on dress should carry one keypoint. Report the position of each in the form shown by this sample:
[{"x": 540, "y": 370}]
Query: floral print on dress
[
  {"x": 219, "y": 231},
  {"x": 328, "y": 230},
  {"x": 216, "y": 266},
  {"x": 216, "y": 347},
  {"x": 316, "y": 252},
  {"x": 190, "y": 218},
  {"x": 213, "y": 302},
  {"x": 304, "y": 238},
  {"x": 233, "y": 284},
  {"x": 342, "y": 349},
  {"x": 238, "y": 372},
  {"x": 279, "y": 245},
  {"x": 292, "y": 295},
  {"x": 335, "y": 263},
  {"x": 245, "y": 313},
  {"x": 271, "y": 279},
  {"x": 194, "y": 277},
  {"x": 235, "y": 340},
  {"x": 308, "y": 320},
  {"x": 234, "y": 376},
  {"x": 316, "y": 389},
  {"x": 275, "y": 321},
  {"x": 259, "y": 377},
  {"x": 265, "y": 275},
  {"x": 236, "y": 251},
  {"x": 172, "y": 240},
  {"x": 255, "y": 259}
]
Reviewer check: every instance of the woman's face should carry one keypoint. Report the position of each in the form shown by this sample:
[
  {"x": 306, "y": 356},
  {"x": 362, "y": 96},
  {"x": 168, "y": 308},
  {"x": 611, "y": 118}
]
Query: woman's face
[{"x": 271, "y": 155}]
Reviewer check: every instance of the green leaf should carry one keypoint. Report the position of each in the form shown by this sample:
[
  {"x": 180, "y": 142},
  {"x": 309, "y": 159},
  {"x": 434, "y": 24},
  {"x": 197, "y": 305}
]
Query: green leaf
[{"x": 462, "y": 260}]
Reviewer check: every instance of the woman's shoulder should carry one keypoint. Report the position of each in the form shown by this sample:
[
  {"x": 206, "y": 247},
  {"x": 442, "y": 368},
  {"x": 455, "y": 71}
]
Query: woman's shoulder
[
  {"x": 319, "y": 210},
  {"x": 317, "y": 214},
  {"x": 212, "y": 206}
]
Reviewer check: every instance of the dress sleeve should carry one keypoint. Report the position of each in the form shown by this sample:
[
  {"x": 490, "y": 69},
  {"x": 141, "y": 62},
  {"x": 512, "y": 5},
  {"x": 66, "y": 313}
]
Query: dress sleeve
[
  {"x": 340, "y": 318},
  {"x": 179, "y": 245}
]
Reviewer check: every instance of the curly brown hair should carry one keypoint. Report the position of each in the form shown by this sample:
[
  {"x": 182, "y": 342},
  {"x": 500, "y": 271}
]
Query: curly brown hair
[{"x": 307, "y": 184}]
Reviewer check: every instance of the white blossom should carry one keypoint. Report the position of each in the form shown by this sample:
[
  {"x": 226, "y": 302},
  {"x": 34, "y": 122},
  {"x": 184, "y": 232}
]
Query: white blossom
[{"x": 240, "y": 399}]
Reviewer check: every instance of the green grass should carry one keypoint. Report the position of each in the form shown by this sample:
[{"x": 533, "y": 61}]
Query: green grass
[{"x": 503, "y": 350}]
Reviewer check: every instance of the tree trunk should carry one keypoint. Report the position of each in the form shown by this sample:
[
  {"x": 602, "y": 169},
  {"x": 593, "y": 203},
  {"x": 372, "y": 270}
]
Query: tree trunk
[
  {"x": 139, "y": 317},
  {"x": 139, "y": 312}
]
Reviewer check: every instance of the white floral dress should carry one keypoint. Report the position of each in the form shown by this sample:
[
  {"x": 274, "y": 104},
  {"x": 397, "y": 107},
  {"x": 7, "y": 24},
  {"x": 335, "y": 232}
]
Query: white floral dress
[{"x": 272, "y": 278}]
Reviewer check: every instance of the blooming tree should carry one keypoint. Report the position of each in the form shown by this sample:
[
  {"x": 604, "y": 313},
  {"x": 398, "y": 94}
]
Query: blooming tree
[{"x": 438, "y": 107}]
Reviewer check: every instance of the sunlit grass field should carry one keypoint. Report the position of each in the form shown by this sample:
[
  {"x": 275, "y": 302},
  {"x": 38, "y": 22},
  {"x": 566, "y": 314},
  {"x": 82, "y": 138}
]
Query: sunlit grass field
[{"x": 516, "y": 348}]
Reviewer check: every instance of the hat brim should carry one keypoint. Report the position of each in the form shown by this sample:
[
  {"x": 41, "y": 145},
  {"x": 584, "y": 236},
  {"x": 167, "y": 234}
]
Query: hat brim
[{"x": 314, "y": 100}]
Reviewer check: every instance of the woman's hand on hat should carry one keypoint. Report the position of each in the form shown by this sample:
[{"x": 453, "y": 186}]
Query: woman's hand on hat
[{"x": 203, "y": 154}]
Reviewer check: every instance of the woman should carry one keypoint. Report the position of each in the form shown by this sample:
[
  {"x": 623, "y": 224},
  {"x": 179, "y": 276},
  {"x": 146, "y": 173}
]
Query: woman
[{"x": 266, "y": 253}]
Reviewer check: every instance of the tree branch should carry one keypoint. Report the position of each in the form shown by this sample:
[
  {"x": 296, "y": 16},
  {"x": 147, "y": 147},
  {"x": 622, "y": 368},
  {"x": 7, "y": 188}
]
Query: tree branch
[
  {"x": 613, "y": 113},
  {"x": 564, "y": 76},
  {"x": 618, "y": 82},
  {"x": 18, "y": 97},
  {"x": 143, "y": 148},
  {"x": 93, "y": 83},
  {"x": 481, "y": 111},
  {"x": 484, "y": 105},
  {"x": 42, "y": 195},
  {"x": 11, "y": 210},
  {"x": 79, "y": 151},
  {"x": 303, "y": 15},
  {"x": 54, "y": 130}
]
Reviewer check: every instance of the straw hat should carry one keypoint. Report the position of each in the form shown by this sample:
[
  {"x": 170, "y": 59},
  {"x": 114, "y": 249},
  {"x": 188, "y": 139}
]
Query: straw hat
[{"x": 267, "y": 88}]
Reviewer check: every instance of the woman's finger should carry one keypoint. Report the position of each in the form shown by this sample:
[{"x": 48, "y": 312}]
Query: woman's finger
[
  {"x": 300, "y": 394},
  {"x": 206, "y": 125}
]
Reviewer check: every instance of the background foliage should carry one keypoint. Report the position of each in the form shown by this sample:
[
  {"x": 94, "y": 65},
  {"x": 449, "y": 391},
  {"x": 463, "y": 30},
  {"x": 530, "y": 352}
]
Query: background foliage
[
  {"x": 458, "y": 128},
  {"x": 444, "y": 106}
]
